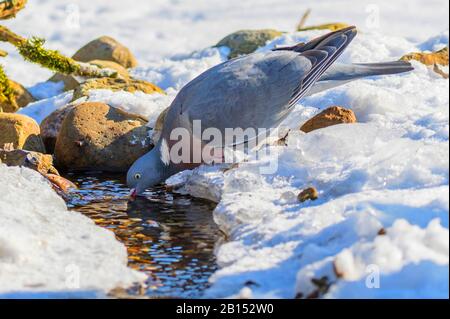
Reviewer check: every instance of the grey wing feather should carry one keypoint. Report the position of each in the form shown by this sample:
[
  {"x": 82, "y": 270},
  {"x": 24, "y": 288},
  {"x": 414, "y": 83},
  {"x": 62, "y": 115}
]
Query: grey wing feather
[
  {"x": 249, "y": 92},
  {"x": 339, "y": 74},
  {"x": 344, "y": 72}
]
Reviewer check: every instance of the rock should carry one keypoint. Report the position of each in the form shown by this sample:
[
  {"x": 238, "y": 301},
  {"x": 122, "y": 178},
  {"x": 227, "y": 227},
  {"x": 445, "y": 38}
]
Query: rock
[
  {"x": 71, "y": 83},
  {"x": 327, "y": 26},
  {"x": 20, "y": 130},
  {"x": 42, "y": 163},
  {"x": 116, "y": 84},
  {"x": 331, "y": 116},
  {"x": 51, "y": 125},
  {"x": 96, "y": 136},
  {"x": 107, "y": 49},
  {"x": 309, "y": 193},
  {"x": 22, "y": 96},
  {"x": 8, "y": 106},
  {"x": 112, "y": 65},
  {"x": 247, "y": 41},
  {"x": 438, "y": 69},
  {"x": 439, "y": 57}
]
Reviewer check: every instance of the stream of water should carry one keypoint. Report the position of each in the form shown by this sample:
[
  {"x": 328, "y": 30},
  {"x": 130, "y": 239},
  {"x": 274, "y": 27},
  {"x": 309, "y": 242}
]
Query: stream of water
[{"x": 169, "y": 236}]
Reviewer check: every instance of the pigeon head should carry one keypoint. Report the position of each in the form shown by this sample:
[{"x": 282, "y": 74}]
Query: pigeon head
[{"x": 146, "y": 172}]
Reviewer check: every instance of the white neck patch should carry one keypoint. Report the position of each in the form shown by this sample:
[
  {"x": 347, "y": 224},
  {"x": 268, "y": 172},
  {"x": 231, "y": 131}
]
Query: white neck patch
[{"x": 165, "y": 154}]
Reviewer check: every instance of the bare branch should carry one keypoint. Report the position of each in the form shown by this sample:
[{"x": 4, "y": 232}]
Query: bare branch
[
  {"x": 302, "y": 22},
  {"x": 32, "y": 50}
]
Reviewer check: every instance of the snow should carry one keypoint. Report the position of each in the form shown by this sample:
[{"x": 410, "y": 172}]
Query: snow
[
  {"x": 388, "y": 172},
  {"x": 380, "y": 226},
  {"x": 47, "y": 251},
  {"x": 164, "y": 28},
  {"x": 39, "y": 110}
]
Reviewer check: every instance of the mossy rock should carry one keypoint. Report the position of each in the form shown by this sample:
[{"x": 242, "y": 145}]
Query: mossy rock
[
  {"x": 71, "y": 83},
  {"x": 247, "y": 41},
  {"x": 21, "y": 131},
  {"x": 107, "y": 49},
  {"x": 115, "y": 84},
  {"x": 327, "y": 26}
]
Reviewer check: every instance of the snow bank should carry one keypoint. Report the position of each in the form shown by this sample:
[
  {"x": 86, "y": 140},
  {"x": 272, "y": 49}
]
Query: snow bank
[
  {"x": 45, "y": 250},
  {"x": 41, "y": 109}
]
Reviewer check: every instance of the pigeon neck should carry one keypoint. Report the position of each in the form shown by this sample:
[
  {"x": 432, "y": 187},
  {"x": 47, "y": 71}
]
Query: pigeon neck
[{"x": 161, "y": 160}]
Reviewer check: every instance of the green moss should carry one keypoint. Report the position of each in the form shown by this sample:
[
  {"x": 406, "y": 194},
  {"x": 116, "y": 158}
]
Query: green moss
[{"x": 32, "y": 50}]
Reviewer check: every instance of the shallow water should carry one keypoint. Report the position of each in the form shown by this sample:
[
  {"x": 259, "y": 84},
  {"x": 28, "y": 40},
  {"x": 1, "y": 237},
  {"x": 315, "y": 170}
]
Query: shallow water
[{"x": 169, "y": 236}]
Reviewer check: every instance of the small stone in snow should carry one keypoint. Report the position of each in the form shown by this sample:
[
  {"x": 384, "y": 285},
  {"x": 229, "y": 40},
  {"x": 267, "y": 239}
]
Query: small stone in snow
[
  {"x": 309, "y": 193},
  {"x": 331, "y": 116}
]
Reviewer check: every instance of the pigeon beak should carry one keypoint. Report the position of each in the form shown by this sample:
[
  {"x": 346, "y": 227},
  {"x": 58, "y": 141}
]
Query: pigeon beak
[{"x": 133, "y": 193}]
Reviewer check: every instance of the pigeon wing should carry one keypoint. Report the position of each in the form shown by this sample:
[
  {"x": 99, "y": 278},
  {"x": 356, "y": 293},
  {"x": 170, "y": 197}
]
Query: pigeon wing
[{"x": 257, "y": 90}]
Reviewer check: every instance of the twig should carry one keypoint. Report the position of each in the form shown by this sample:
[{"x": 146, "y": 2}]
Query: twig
[
  {"x": 32, "y": 50},
  {"x": 302, "y": 22}
]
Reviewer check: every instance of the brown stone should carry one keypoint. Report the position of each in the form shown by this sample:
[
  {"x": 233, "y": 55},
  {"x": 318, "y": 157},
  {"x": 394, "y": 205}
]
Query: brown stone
[
  {"x": 51, "y": 125},
  {"x": 107, "y": 49},
  {"x": 42, "y": 163},
  {"x": 96, "y": 136},
  {"x": 331, "y": 116},
  {"x": 71, "y": 83},
  {"x": 20, "y": 130},
  {"x": 309, "y": 193},
  {"x": 8, "y": 106},
  {"x": 21, "y": 95},
  {"x": 115, "y": 84}
]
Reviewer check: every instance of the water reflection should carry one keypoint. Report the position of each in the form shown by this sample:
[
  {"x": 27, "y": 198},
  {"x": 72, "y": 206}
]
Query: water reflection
[{"x": 169, "y": 236}]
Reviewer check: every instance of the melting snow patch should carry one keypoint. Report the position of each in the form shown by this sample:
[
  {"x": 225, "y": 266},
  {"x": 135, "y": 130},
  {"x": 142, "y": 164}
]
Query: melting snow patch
[{"x": 47, "y": 251}]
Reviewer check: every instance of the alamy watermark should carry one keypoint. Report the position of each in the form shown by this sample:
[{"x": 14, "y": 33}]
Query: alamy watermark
[
  {"x": 373, "y": 16},
  {"x": 72, "y": 20},
  {"x": 220, "y": 146},
  {"x": 373, "y": 276}
]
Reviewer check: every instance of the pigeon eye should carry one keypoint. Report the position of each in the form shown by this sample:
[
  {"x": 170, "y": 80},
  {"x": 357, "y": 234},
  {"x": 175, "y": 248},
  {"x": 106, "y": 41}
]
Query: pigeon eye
[{"x": 137, "y": 176}]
